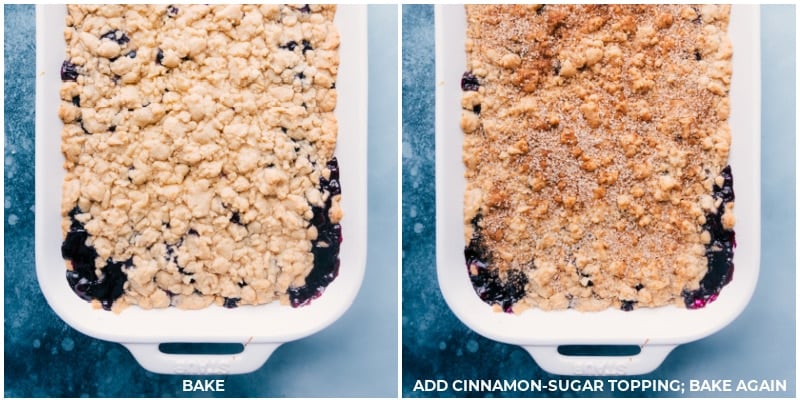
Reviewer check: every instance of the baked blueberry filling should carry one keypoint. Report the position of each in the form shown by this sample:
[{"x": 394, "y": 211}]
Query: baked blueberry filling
[
  {"x": 306, "y": 46},
  {"x": 492, "y": 289},
  {"x": 627, "y": 305},
  {"x": 159, "y": 56},
  {"x": 469, "y": 82},
  {"x": 82, "y": 278},
  {"x": 325, "y": 247},
  {"x": 110, "y": 286},
  {"x": 69, "y": 72},
  {"x": 291, "y": 45},
  {"x": 117, "y": 36},
  {"x": 719, "y": 251},
  {"x": 231, "y": 302},
  {"x": 488, "y": 283},
  {"x": 236, "y": 218}
]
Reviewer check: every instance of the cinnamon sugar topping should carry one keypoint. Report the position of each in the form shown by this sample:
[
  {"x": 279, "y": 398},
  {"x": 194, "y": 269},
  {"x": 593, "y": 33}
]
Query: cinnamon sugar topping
[{"x": 599, "y": 134}]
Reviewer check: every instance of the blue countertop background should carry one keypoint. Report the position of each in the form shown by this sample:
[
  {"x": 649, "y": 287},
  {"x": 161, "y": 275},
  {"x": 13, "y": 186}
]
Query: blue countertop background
[
  {"x": 760, "y": 344},
  {"x": 354, "y": 357},
  {"x": 357, "y": 355}
]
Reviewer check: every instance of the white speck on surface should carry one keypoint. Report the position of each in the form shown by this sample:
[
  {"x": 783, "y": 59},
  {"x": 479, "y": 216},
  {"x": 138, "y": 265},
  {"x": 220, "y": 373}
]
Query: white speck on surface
[
  {"x": 413, "y": 171},
  {"x": 37, "y": 343},
  {"x": 442, "y": 345},
  {"x": 472, "y": 346},
  {"x": 13, "y": 219},
  {"x": 408, "y": 151},
  {"x": 8, "y": 203},
  {"x": 422, "y": 325},
  {"x": 9, "y": 160},
  {"x": 418, "y": 227},
  {"x": 67, "y": 344},
  {"x": 413, "y": 211}
]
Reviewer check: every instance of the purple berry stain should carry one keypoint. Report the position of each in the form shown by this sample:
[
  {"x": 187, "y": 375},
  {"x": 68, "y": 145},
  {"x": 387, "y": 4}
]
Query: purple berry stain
[
  {"x": 488, "y": 284},
  {"x": 231, "y": 302},
  {"x": 469, "y": 82},
  {"x": 306, "y": 46},
  {"x": 82, "y": 278},
  {"x": 325, "y": 247},
  {"x": 69, "y": 72},
  {"x": 719, "y": 251},
  {"x": 291, "y": 45},
  {"x": 236, "y": 219},
  {"x": 117, "y": 36},
  {"x": 627, "y": 305}
]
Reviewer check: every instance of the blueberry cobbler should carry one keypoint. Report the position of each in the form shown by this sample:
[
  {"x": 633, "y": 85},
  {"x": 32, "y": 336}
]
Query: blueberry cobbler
[
  {"x": 596, "y": 150},
  {"x": 199, "y": 154}
]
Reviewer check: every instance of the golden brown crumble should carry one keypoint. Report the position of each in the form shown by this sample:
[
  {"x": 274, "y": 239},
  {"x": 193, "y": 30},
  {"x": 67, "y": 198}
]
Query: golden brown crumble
[{"x": 592, "y": 144}]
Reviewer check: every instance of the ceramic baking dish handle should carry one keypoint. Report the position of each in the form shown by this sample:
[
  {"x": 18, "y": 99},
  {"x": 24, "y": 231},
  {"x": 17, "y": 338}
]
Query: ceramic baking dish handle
[
  {"x": 250, "y": 359},
  {"x": 554, "y": 362}
]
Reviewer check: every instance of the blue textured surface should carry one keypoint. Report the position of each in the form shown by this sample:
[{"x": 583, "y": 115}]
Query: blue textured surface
[
  {"x": 356, "y": 356},
  {"x": 760, "y": 344}
]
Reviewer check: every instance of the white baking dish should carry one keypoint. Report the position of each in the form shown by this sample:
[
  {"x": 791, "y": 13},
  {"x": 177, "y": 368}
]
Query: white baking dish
[
  {"x": 261, "y": 329},
  {"x": 656, "y": 331}
]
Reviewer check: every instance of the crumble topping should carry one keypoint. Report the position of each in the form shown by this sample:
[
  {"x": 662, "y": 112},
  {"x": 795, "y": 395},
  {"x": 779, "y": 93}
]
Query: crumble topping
[
  {"x": 198, "y": 144},
  {"x": 595, "y": 141}
]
